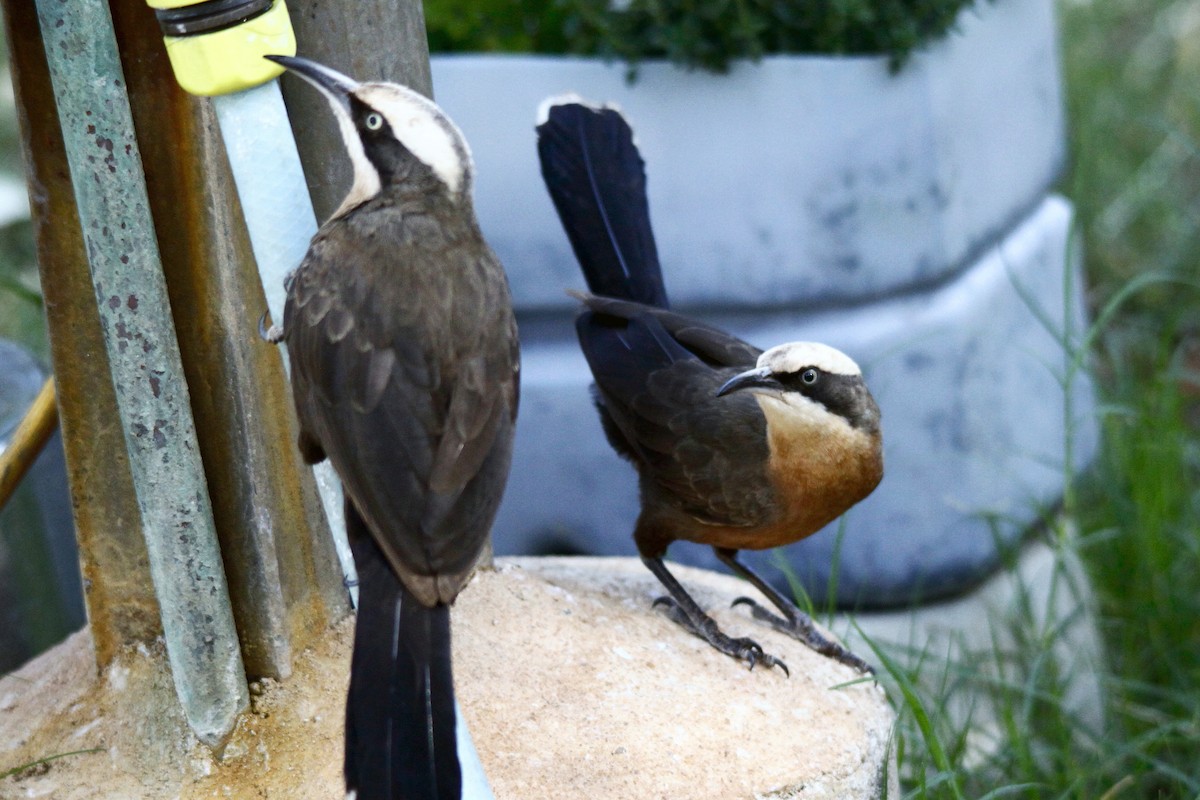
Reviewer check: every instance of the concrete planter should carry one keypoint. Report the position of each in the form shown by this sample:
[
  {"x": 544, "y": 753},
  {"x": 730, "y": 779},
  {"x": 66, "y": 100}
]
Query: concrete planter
[
  {"x": 904, "y": 219},
  {"x": 796, "y": 180}
]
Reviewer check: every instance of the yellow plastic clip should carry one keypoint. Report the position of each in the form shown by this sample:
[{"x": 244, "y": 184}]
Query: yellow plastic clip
[{"x": 230, "y": 58}]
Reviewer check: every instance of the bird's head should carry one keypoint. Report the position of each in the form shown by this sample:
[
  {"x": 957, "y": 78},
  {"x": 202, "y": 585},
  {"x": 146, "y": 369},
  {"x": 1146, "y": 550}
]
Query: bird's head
[
  {"x": 811, "y": 378},
  {"x": 391, "y": 133}
]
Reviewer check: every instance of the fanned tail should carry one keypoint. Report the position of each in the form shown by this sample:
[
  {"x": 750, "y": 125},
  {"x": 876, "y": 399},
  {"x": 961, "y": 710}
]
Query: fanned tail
[
  {"x": 597, "y": 181},
  {"x": 400, "y": 738}
]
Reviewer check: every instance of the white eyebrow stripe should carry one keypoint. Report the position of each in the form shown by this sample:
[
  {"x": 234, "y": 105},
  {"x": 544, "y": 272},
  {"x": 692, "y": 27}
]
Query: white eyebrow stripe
[
  {"x": 424, "y": 130},
  {"x": 795, "y": 356}
]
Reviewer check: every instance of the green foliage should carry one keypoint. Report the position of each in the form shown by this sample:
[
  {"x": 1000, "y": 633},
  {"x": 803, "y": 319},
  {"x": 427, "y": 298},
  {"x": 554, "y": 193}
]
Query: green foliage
[
  {"x": 21, "y": 315},
  {"x": 496, "y": 25},
  {"x": 1132, "y": 68},
  {"x": 42, "y": 762},
  {"x": 705, "y": 34}
]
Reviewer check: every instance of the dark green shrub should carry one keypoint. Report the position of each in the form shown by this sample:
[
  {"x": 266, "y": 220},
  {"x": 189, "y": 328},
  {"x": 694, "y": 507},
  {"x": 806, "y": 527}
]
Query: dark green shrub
[{"x": 705, "y": 34}]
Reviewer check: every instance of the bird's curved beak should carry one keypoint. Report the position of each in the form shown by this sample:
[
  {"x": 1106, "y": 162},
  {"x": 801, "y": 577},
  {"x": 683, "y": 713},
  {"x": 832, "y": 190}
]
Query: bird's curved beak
[
  {"x": 333, "y": 84},
  {"x": 757, "y": 378}
]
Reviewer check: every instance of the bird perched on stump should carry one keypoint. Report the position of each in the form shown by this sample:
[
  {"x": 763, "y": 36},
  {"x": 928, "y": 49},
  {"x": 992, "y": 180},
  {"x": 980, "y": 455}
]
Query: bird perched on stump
[
  {"x": 734, "y": 447},
  {"x": 404, "y": 370}
]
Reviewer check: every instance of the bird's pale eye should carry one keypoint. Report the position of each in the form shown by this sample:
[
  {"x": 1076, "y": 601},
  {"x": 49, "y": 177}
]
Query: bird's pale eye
[
  {"x": 373, "y": 121},
  {"x": 809, "y": 376}
]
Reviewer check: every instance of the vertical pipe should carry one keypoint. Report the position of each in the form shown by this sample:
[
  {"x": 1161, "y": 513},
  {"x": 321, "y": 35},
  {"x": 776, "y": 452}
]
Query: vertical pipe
[
  {"x": 279, "y": 217},
  {"x": 152, "y": 396}
]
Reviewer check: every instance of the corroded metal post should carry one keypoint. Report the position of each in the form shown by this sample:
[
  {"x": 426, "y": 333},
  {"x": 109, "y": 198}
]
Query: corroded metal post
[
  {"x": 118, "y": 590},
  {"x": 162, "y": 411},
  {"x": 279, "y": 558},
  {"x": 153, "y": 401}
]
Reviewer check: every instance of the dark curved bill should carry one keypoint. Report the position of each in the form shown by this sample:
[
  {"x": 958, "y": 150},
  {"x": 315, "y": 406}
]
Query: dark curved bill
[
  {"x": 757, "y": 378},
  {"x": 333, "y": 84}
]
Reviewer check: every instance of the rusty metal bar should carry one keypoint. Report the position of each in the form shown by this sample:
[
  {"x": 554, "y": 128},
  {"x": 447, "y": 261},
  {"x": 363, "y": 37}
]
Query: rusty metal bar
[
  {"x": 152, "y": 396},
  {"x": 27, "y": 441}
]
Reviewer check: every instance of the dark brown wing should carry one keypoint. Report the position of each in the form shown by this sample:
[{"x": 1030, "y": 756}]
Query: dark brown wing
[
  {"x": 409, "y": 387},
  {"x": 712, "y": 345},
  {"x": 657, "y": 398}
]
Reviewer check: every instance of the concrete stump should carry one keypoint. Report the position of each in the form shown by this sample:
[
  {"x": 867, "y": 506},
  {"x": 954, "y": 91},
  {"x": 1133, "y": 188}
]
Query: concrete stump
[
  {"x": 593, "y": 694},
  {"x": 572, "y": 686}
]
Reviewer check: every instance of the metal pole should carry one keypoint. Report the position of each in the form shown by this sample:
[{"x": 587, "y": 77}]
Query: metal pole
[
  {"x": 139, "y": 336},
  {"x": 284, "y": 583}
]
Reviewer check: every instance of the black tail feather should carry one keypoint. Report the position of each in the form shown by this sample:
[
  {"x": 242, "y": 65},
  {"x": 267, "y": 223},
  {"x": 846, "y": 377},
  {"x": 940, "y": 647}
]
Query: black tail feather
[
  {"x": 597, "y": 181},
  {"x": 400, "y": 737}
]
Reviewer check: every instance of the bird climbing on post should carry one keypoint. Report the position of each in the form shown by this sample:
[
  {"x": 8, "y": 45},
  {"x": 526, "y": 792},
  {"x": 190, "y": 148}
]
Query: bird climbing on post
[
  {"x": 404, "y": 369},
  {"x": 735, "y": 448}
]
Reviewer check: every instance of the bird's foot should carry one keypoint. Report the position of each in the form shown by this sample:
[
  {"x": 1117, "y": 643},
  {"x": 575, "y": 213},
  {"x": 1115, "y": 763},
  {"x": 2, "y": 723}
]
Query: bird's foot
[
  {"x": 271, "y": 335},
  {"x": 800, "y": 627},
  {"x": 743, "y": 649}
]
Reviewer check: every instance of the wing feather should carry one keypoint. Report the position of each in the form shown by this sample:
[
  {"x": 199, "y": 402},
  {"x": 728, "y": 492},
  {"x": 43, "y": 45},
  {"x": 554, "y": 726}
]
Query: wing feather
[
  {"x": 416, "y": 424},
  {"x": 659, "y": 405}
]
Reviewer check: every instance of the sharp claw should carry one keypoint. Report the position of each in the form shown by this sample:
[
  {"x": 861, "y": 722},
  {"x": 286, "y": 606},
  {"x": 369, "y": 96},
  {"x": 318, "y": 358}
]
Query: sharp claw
[
  {"x": 748, "y": 651},
  {"x": 771, "y": 661},
  {"x": 800, "y": 628},
  {"x": 751, "y": 655}
]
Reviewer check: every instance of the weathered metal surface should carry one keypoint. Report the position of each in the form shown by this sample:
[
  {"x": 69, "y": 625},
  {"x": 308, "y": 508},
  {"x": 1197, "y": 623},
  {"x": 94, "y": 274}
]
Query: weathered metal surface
[
  {"x": 28, "y": 440},
  {"x": 279, "y": 559},
  {"x": 368, "y": 40},
  {"x": 152, "y": 396},
  {"x": 118, "y": 590}
]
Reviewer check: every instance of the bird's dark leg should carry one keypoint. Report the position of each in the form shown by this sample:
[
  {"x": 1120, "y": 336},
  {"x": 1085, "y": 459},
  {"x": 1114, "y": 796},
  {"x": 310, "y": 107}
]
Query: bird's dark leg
[
  {"x": 794, "y": 622},
  {"x": 688, "y": 614}
]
